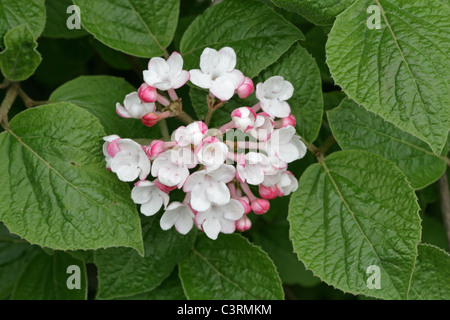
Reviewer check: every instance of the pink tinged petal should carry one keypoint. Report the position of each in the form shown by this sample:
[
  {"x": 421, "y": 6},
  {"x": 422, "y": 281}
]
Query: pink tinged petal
[
  {"x": 260, "y": 206},
  {"x": 212, "y": 228},
  {"x": 246, "y": 88},
  {"x": 268, "y": 192},
  {"x": 121, "y": 111},
  {"x": 181, "y": 79},
  {"x": 200, "y": 79},
  {"x": 227, "y": 226},
  {"x": 113, "y": 147},
  {"x": 147, "y": 93},
  {"x": 243, "y": 224},
  {"x": 233, "y": 210},
  {"x": 209, "y": 60}
]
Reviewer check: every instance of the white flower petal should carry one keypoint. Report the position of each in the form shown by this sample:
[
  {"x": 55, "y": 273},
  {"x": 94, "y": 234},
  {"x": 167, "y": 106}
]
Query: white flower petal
[{"x": 201, "y": 79}]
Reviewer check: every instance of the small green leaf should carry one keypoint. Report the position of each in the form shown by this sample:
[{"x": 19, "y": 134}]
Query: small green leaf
[
  {"x": 18, "y": 12},
  {"x": 353, "y": 211},
  {"x": 399, "y": 71},
  {"x": 57, "y": 16},
  {"x": 138, "y": 27},
  {"x": 356, "y": 128},
  {"x": 14, "y": 256},
  {"x": 257, "y": 34},
  {"x": 229, "y": 268},
  {"x": 20, "y": 59},
  {"x": 123, "y": 272},
  {"x": 298, "y": 67},
  {"x": 54, "y": 188},
  {"x": 99, "y": 95},
  {"x": 431, "y": 279},
  {"x": 46, "y": 277},
  {"x": 321, "y": 12}
]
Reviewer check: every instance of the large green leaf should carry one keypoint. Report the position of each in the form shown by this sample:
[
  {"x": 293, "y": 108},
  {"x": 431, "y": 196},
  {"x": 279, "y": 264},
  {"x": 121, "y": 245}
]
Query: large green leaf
[
  {"x": 356, "y": 128},
  {"x": 20, "y": 59},
  {"x": 56, "y": 26},
  {"x": 18, "y": 12},
  {"x": 229, "y": 268},
  {"x": 257, "y": 34},
  {"x": 400, "y": 71},
  {"x": 14, "y": 256},
  {"x": 46, "y": 276},
  {"x": 431, "y": 279},
  {"x": 123, "y": 272},
  {"x": 319, "y": 12},
  {"x": 54, "y": 188},
  {"x": 298, "y": 67},
  {"x": 138, "y": 27},
  {"x": 99, "y": 95},
  {"x": 353, "y": 211}
]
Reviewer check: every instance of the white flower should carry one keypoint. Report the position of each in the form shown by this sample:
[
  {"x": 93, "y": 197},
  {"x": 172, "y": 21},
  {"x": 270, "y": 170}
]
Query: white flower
[
  {"x": 209, "y": 187},
  {"x": 110, "y": 149},
  {"x": 244, "y": 118},
  {"x": 285, "y": 145},
  {"x": 192, "y": 134},
  {"x": 172, "y": 166},
  {"x": 212, "y": 154},
  {"x": 285, "y": 181},
  {"x": 179, "y": 215},
  {"x": 130, "y": 161},
  {"x": 148, "y": 195},
  {"x": 220, "y": 218},
  {"x": 217, "y": 73},
  {"x": 252, "y": 167},
  {"x": 272, "y": 95},
  {"x": 165, "y": 75},
  {"x": 262, "y": 127},
  {"x": 133, "y": 107}
]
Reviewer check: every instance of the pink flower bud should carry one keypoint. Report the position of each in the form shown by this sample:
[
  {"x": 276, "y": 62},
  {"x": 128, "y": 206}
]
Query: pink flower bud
[
  {"x": 268, "y": 192},
  {"x": 243, "y": 224},
  {"x": 113, "y": 147},
  {"x": 246, "y": 88},
  {"x": 202, "y": 126},
  {"x": 156, "y": 147},
  {"x": 246, "y": 204},
  {"x": 147, "y": 93},
  {"x": 163, "y": 187},
  {"x": 150, "y": 119},
  {"x": 260, "y": 206},
  {"x": 289, "y": 121}
]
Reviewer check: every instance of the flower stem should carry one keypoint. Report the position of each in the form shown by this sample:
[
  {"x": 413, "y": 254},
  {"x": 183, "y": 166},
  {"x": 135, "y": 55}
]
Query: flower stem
[
  {"x": 172, "y": 94},
  {"x": 7, "y": 103}
]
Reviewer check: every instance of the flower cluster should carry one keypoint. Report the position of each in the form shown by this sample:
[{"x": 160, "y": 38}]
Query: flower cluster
[{"x": 215, "y": 168}]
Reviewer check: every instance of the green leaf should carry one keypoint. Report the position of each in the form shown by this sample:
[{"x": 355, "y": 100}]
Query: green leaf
[
  {"x": 14, "y": 256},
  {"x": 138, "y": 27},
  {"x": 353, "y": 211},
  {"x": 229, "y": 268},
  {"x": 431, "y": 279},
  {"x": 356, "y": 128},
  {"x": 169, "y": 289},
  {"x": 274, "y": 239},
  {"x": 20, "y": 59},
  {"x": 315, "y": 42},
  {"x": 257, "y": 34},
  {"x": 400, "y": 71},
  {"x": 318, "y": 12},
  {"x": 122, "y": 272},
  {"x": 99, "y": 95},
  {"x": 18, "y": 12},
  {"x": 54, "y": 188},
  {"x": 46, "y": 278},
  {"x": 298, "y": 67},
  {"x": 57, "y": 16},
  {"x": 114, "y": 58}
]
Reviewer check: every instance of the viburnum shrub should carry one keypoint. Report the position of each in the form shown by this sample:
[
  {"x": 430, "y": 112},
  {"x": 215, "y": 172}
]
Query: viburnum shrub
[{"x": 228, "y": 150}]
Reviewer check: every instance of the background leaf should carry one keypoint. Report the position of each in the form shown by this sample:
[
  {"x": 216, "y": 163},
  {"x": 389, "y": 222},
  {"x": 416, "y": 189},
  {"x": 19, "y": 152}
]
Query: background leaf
[
  {"x": 99, "y": 95},
  {"x": 431, "y": 279},
  {"x": 20, "y": 59},
  {"x": 123, "y": 272},
  {"x": 400, "y": 71},
  {"x": 257, "y": 34},
  {"x": 56, "y": 25},
  {"x": 355, "y": 128},
  {"x": 138, "y": 27},
  {"x": 45, "y": 278},
  {"x": 54, "y": 188},
  {"x": 229, "y": 268},
  {"x": 354, "y": 211}
]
